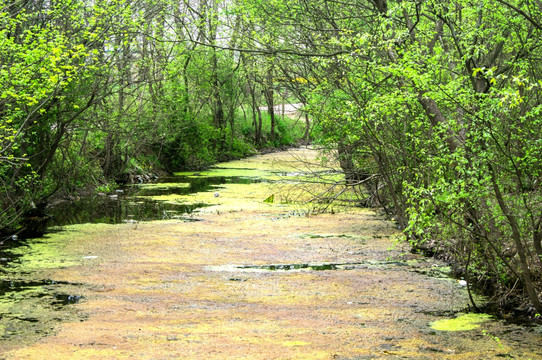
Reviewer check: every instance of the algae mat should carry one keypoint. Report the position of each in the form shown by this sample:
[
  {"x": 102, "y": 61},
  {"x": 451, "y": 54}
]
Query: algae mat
[{"x": 259, "y": 283}]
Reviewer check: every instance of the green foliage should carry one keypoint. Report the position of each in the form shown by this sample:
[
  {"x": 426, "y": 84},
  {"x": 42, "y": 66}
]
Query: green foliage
[
  {"x": 47, "y": 59},
  {"x": 241, "y": 148},
  {"x": 193, "y": 148},
  {"x": 288, "y": 131}
]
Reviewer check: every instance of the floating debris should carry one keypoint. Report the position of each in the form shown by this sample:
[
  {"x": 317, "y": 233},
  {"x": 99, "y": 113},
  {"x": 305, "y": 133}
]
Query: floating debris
[{"x": 65, "y": 299}]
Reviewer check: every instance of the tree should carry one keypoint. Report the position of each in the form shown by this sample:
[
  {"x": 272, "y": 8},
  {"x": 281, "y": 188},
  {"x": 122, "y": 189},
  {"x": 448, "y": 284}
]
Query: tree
[{"x": 52, "y": 56}]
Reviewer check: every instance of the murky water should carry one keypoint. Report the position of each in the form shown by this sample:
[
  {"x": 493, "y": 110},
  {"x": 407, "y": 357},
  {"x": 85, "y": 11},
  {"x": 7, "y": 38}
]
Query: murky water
[
  {"x": 30, "y": 309},
  {"x": 141, "y": 202},
  {"x": 31, "y": 303}
]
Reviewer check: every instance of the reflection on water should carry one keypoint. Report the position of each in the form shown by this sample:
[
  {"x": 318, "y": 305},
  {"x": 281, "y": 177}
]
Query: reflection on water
[
  {"x": 102, "y": 209},
  {"x": 139, "y": 202},
  {"x": 30, "y": 308}
]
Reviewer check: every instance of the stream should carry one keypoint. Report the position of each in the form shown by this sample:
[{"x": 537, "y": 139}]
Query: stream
[{"x": 231, "y": 263}]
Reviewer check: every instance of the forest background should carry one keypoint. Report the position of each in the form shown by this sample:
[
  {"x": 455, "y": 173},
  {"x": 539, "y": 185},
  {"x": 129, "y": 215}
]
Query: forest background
[{"x": 433, "y": 106}]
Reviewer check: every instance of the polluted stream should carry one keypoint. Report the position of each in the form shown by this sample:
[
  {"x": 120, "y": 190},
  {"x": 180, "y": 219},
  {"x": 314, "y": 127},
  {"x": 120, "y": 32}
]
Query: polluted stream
[
  {"x": 231, "y": 263},
  {"x": 30, "y": 307}
]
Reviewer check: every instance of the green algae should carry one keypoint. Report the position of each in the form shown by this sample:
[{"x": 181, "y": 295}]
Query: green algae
[
  {"x": 164, "y": 186},
  {"x": 229, "y": 197},
  {"x": 463, "y": 322},
  {"x": 169, "y": 198},
  {"x": 227, "y": 173},
  {"x": 244, "y": 184},
  {"x": 43, "y": 255},
  {"x": 291, "y": 165},
  {"x": 51, "y": 251}
]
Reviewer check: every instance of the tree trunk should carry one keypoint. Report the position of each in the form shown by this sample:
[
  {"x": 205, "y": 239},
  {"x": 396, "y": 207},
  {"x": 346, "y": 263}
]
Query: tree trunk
[
  {"x": 307, "y": 129},
  {"x": 257, "y": 122},
  {"x": 351, "y": 174},
  {"x": 516, "y": 236},
  {"x": 269, "y": 95}
]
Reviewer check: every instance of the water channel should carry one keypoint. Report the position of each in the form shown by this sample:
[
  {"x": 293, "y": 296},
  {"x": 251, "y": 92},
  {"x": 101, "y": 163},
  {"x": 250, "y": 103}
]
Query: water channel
[{"x": 63, "y": 277}]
